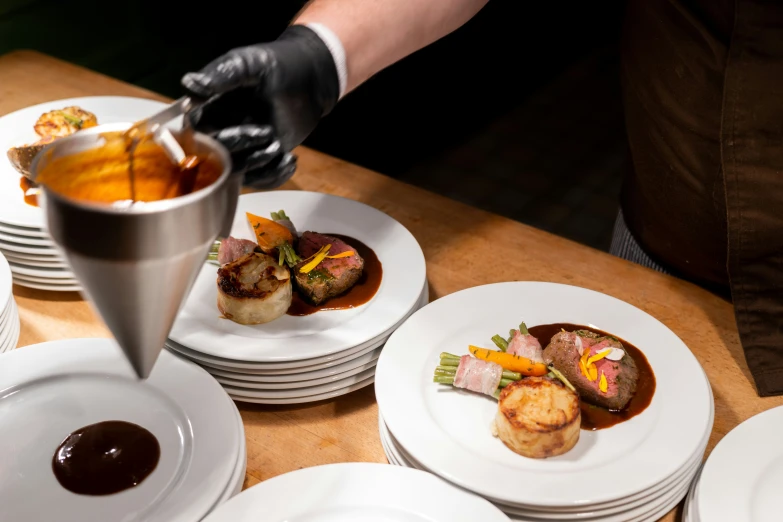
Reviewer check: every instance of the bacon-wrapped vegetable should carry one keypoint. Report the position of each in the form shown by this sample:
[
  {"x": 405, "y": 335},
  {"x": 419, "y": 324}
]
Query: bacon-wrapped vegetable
[{"x": 473, "y": 374}]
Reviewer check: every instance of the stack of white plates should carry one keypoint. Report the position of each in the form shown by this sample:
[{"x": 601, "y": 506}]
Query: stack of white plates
[
  {"x": 297, "y": 359},
  {"x": 742, "y": 478},
  {"x": 33, "y": 257},
  {"x": 53, "y": 389},
  {"x": 9, "y": 314},
  {"x": 353, "y": 493},
  {"x": 634, "y": 471}
]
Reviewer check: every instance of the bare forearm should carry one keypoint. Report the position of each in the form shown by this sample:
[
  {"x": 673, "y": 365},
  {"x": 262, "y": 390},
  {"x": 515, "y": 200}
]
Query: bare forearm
[{"x": 377, "y": 33}]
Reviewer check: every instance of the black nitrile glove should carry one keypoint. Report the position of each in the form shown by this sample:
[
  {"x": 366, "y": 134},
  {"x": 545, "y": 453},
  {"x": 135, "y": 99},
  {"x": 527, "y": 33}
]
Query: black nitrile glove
[{"x": 264, "y": 100}]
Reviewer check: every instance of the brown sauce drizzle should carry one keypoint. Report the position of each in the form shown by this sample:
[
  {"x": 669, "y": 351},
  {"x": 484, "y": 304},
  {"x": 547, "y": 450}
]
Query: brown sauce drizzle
[
  {"x": 105, "y": 458},
  {"x": 25, "y": 184},
  {"x": 594, "y": 417},
  {"x": 364, "y": 289}
]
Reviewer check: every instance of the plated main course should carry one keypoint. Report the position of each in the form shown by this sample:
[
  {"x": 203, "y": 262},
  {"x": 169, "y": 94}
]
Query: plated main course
[
  {"x": 582, "y": 379},
  {"x": 285, "y": 272}
]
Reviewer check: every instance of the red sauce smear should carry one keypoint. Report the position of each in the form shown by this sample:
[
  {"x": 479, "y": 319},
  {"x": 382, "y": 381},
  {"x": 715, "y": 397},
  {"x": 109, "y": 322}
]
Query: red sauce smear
[
  {"x": 595, "y": 417},
  {"x": 31, "y": 199},
  {"x": 364, "y": 289}
]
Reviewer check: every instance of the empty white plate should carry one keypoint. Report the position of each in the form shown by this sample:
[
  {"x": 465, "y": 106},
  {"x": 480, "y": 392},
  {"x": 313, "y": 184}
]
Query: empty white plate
[
  {"x": 52, "y": 389},
  {"x": 303, "y": 391},
  {"x": 26, "y": 240},
  {"x": 357, "y": 492},
  {"x": 287, "y": 368},
  {"x": 241, "y": 381},
  {"x": 743, "y": 476},
  {"x": 46, "y": 258},
  {"x": 40, "y": 272},
  {"x": 20, "y": 248},
  {"x": 37, "y": 262},
  {"x": 306, "y": 398},
  {"x": 287, "y": 380},
  {"x": 49, "y": 287},
  {"x": 24, "y": 231}
]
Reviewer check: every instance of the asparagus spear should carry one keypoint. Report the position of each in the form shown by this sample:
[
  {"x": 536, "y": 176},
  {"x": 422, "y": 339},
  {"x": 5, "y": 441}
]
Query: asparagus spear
[
  {"x": 448, "y": 370},
  {"x": 449, "y": 379},
  {"x": 501, "y": 343},
  {"x": 445, "y": 370},
  {"x": 213, "y": 253}
]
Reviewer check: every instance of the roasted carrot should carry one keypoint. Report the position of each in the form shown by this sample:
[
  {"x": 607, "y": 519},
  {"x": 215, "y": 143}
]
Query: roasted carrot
[
  {"x": 511, "y": 362},
  {"x": 269, "y": 235}
]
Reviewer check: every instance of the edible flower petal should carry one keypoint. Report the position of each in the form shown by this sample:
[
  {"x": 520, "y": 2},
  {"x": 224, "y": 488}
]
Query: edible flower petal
[
  {"x": 597, "y": 357},
  {"x": 317, "y": 258},
  {"x": 584, "y": 369},
  {"x": 602, "y": 384},
  {"x": 347, "y": 253}
]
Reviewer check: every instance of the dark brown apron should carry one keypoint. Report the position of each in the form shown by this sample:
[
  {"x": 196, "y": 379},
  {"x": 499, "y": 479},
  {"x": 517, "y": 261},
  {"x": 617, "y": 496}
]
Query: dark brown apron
[{"x": 703, "y": 92}]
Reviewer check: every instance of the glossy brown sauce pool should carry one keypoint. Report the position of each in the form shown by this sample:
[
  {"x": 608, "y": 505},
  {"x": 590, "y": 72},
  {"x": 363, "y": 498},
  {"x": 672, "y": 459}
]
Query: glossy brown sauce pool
[
  {"x": 105, "y": 458},
  {"x": 595, "y": 417},
  {"x": 31, "y": 199},
  {"x": 103, "y": 174},
  {"x": 364, "y": 289}
]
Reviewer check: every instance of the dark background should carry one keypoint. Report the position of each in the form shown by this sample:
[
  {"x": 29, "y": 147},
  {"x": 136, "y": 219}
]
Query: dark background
[{"x": 518, "y": 112}]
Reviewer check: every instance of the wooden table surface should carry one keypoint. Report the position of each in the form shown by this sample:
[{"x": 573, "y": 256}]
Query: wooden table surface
[{"x": 455, "y": 238}]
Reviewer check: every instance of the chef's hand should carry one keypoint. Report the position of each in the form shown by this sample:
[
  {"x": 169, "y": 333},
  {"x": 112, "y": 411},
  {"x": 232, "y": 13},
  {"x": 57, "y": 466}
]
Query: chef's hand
[{"x": 264, "y": 100}]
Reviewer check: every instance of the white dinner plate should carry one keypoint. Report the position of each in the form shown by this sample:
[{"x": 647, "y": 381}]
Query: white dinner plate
[
  {"x": 238, "y": 478},
  {"x": 690, "y": 512},
  {"x": 26, "y": 240},
  {"x": 6, "y": 309},
  {"x": 21, "y": 248},
  {"x": 290, "y": 339},
  {"x": 40, "y": 272},
  {"x": 356, "y": 492},
  {"x": 654, "y": 514},
  {"x": 283, "y": 368},
  {"x": 51, "y": 288},
  {"x": 288, "y": 378},
  {"x": 12, "y": 339},
  {"x": 303, "y": 391},
  {"x": 53, "y": 281},
  {"x": 743, "y": 476},
  {"x": 6, "y": 280},
  {"x": 24, "y": 231},
  {"x": 638, "y": 510},
  {"x": 39, "y": 262},
  {"x": 293, "y": 367},
  {"x": 49, "y": 258},
  {"x": 397, "y": 454},
  {"x": 255, "y": 381},
  {"x": 54, "y": 388},
  {"x": 449, "y": 431},
  {"x": 7, "y": 312},
  {"x": 16, "y": 129},
  {"x": 11, "y": 329},
  {"x": 305, "y": 398}
]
